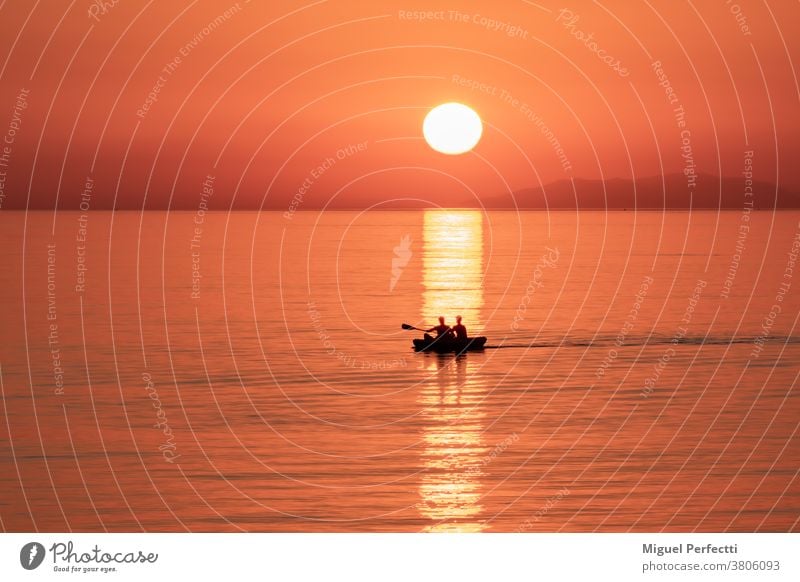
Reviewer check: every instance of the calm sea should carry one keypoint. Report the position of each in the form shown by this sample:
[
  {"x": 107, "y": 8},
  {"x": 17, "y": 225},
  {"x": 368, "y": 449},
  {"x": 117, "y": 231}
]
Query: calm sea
[{"x": 247, "y": 371}]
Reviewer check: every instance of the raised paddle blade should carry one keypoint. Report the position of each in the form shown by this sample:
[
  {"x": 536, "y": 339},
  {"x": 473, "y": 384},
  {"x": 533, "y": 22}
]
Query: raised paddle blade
[{"x": 406, "y": 326}]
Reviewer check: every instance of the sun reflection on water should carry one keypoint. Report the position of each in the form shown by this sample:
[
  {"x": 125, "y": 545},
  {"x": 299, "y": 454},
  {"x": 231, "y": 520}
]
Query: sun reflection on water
[
  {"x": 454, "y": 448},
  {"x": 452, "y": 265}
]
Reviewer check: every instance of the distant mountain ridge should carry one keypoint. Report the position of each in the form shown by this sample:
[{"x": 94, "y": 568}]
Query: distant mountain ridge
[{"x": 653, "y": 192}]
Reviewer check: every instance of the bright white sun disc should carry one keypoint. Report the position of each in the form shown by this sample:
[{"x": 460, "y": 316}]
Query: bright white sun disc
[{"x": 452, "y": 128}]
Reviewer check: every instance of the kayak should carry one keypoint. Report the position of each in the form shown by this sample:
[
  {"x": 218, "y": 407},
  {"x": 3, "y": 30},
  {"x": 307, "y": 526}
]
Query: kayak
[{"x": 447, "y": 345}]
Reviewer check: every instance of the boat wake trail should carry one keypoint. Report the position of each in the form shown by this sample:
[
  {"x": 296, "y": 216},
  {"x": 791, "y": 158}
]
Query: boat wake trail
[{"x": 652, "y": 340}]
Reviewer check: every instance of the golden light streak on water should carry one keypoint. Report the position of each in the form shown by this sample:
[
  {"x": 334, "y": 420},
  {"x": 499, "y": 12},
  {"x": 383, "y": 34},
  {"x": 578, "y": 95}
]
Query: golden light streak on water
[
  {"x": 452, "y": 265},
  {"x": 451, "y": 487}
]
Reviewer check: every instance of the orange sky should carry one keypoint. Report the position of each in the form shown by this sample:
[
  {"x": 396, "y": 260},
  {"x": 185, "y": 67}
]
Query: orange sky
[{"x": 266, "y": 95}]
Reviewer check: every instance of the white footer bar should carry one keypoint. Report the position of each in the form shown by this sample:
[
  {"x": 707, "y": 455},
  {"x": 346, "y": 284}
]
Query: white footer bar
[{"x": 380, "y": 557}]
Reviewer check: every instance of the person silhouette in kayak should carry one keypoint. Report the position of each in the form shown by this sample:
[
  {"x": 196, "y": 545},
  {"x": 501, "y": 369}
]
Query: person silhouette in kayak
[
  {"x": 459, "y": 329},
  {"x": 442, "y": 331}
]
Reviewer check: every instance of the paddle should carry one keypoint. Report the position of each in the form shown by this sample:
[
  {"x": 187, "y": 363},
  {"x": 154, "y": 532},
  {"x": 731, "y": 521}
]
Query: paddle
[{"x": 407, "y": 326}]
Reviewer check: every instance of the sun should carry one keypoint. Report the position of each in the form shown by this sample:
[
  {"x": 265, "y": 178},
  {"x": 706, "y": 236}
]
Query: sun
[{"x": 452, "y": 128}]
